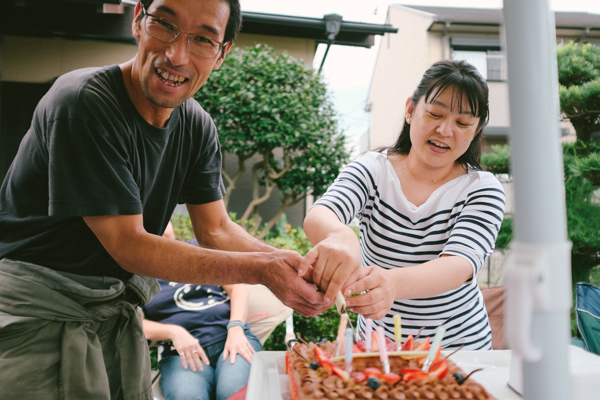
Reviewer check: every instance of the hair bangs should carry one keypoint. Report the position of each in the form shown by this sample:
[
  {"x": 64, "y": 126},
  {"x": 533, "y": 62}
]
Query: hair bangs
[{"x": 462, "y": 86}]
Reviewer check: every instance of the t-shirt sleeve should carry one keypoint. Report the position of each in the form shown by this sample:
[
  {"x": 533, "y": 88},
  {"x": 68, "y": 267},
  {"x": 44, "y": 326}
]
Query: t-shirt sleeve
[
  {"x": 348, "y": 195},
  {"x": 204, "y": 182},
  {"x": 88, "y": 172},
  {"x": 474, "y": 234}
]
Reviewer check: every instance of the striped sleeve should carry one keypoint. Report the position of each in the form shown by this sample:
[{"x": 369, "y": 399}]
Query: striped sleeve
[
  {"x": 351, "y": 191},
  {"x": 474, "y": 234}
]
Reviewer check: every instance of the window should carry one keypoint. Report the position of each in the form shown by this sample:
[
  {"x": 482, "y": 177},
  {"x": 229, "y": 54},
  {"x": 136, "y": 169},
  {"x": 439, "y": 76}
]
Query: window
[
  {"x": 496, "y": 69},
  {"x": 483, "y": 53},
  {"x": 489, "y": 63},
  {"x": 478, "y": 59}
]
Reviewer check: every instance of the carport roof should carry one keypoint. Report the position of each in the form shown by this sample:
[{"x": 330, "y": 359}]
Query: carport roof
[{"x": 84, "y": 19}]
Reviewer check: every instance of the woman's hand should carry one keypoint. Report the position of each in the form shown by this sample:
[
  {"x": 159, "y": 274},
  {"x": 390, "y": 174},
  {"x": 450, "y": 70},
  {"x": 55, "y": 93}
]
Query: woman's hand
[
  {"x": 188, "y": 348},
  {"x": 237, "y": 343},
  {"x": 335, "y": 263},
  {"x": 380, "y": 296}
]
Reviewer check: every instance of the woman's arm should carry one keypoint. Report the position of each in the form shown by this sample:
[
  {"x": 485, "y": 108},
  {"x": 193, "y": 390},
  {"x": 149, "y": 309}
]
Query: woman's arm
[
  {"x": 470, "y": 242},
  {"x": 239, "y": 301},
  {"x": 186, "y": 345},
  {"x": 237, "y": 343}
]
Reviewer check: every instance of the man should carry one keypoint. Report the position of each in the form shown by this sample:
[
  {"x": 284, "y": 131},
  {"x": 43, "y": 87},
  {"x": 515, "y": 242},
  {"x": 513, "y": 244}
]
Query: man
[{"x": 109, "y": 154}]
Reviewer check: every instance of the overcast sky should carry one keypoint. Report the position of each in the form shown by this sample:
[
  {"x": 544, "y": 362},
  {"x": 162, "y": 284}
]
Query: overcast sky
[{"x": 348, "y": 70}]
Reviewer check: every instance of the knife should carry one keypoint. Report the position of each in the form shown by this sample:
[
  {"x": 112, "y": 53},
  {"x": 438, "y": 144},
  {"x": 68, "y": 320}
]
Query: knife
[{"x": 340, "y": 304}]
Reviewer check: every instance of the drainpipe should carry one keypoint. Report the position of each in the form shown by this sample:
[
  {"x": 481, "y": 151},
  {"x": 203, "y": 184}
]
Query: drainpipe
[
  {"x": 583, "y": 35},
  {"x": 332, "y": 26},
  {"x": 444, "y": 33}
]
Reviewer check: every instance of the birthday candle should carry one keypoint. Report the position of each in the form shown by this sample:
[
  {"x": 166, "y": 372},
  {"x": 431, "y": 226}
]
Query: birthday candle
[
  {"x": 383, "y": 356},
  {"x": 340, "y": 335},
  {"x": 348, "y": 355},
  {"x": 398, "y": 331},
  {"x": 368, "y": 334}
]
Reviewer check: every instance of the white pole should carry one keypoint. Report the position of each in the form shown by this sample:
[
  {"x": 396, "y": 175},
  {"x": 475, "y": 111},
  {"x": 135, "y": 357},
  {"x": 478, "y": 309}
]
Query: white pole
[{"x": 537, "y": 276}]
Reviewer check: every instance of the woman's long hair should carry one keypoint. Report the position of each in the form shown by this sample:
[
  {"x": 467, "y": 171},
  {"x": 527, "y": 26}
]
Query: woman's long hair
[{"x": 464, "y": 80}]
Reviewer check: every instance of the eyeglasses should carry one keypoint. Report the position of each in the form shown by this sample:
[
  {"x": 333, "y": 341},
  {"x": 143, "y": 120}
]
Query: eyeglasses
[{"x": 165, "y": 31}]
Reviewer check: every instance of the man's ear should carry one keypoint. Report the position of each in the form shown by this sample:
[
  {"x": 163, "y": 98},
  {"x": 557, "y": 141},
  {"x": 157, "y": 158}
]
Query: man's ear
[
  {"x": 224, "y": 52},
  {"x": 408, "y": 110},
  {"x": 136, "y": 25}
]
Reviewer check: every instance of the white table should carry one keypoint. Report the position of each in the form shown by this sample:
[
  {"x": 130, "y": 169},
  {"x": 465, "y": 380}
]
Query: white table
[{"x": 269, "y": 382}]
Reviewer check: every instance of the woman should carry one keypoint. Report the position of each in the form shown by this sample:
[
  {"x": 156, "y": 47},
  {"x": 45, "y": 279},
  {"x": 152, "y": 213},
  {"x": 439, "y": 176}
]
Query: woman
[
  {"x": 428, "y": 217},
  {"x": 212, "y": 347}
]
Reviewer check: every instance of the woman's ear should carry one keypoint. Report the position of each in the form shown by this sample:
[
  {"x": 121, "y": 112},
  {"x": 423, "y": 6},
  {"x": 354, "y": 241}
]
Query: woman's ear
[{"x": 408, "y": 110}]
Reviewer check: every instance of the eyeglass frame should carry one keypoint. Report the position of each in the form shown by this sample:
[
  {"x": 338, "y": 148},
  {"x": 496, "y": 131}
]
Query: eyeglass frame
[{"x": 179, "y": 32}]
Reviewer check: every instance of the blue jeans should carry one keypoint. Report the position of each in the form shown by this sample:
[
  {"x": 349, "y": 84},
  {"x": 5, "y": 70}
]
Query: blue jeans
[{"x": 220, "y": 380}]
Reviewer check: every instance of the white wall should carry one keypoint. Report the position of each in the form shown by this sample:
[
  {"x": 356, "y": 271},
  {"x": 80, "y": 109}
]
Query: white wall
[{"x": 499, "y": 110}]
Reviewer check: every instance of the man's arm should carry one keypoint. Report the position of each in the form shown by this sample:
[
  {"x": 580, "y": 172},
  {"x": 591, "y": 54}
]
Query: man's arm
[
  {"x": 215, "y": 230},
  {"x": 140, "y": 252}
]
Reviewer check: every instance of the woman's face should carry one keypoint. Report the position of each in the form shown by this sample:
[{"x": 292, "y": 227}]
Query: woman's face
[{"x": 439, "y": 133}]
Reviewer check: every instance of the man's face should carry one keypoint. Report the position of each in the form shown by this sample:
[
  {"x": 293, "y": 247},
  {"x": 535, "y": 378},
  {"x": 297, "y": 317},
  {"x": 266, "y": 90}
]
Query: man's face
[{"x": 169, "y": 74}]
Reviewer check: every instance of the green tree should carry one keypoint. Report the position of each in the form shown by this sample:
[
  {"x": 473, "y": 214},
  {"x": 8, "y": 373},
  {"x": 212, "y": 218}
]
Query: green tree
[
  {"x": 582, "y": 181},
  {"x": 583, "y": 207},
  {"x": 579, "y": 78},
  {"x": 271, "y": 104}
]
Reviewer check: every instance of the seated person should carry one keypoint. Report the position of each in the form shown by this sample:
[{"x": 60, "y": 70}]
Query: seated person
[{"x": 212, "y": 347}]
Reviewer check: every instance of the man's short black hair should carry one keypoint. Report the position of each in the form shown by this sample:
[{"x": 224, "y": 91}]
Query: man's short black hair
[{"x": 234, "y": 23}]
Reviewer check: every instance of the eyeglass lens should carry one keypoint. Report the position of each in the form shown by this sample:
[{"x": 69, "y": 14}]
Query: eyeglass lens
[{"x": 166, "y": 32}]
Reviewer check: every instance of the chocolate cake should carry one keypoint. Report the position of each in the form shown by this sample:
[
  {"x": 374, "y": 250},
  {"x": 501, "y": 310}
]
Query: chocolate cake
[{"x": 315, "y": 374}]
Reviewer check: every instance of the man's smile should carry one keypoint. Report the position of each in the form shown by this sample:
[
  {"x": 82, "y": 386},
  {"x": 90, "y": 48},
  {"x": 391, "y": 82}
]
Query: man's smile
[{"x": 170, "y": 79}]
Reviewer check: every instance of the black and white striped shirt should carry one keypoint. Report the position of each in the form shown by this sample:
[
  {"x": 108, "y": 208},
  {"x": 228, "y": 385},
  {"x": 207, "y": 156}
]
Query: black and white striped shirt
[{"x": 462, "y": 218}]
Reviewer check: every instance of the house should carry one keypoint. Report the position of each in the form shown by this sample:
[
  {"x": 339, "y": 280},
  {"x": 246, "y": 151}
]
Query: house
[
  {"x": 43, "y": 39},
  {"x": 429, "y": 34}
]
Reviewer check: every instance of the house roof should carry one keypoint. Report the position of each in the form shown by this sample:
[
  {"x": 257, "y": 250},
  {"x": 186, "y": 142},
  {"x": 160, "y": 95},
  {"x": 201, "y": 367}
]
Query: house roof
[
  {"x": 492, "y": 17},
  {"x": 81, "y": 19}
]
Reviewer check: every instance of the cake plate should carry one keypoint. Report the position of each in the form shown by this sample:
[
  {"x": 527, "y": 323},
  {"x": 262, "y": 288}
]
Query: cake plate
[{"x": 268, "y": 380}]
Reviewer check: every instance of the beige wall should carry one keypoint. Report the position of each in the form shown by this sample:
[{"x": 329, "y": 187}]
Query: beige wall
[
  {"x": 401, "y": 61},
  {"x": 27, "y": 59},
  {"x": 303, "y": 49}
]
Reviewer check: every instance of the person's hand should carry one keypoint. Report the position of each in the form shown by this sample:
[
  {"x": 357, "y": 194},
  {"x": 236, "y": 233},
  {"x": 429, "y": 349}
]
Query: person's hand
[
  {"x": 188, "y": 348},
  {"x": 335, "y": 264},
  {"x": 280, "y": 276},
  {"x": 380, "y": 296},
  {"x": 237, "y": 343}
]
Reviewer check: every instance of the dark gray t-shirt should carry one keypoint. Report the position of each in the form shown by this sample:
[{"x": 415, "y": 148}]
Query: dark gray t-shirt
[{"x": 88, "y": 152}]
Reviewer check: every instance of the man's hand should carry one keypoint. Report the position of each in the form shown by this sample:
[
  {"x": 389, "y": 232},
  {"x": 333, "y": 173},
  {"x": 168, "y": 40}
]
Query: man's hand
[
  {"x": 332, "y": 264},
  {"x": 281, "y": 277},
  {"x": 380, "y": 296}
]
